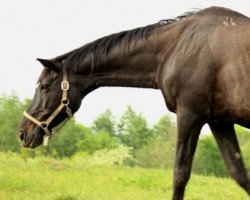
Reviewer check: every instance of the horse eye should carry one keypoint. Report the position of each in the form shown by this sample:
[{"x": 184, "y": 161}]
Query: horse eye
[{"x": 44, "y": 88}]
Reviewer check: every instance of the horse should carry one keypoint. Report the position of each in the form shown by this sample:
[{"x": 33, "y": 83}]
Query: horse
[{"x": 200, "y": 61}]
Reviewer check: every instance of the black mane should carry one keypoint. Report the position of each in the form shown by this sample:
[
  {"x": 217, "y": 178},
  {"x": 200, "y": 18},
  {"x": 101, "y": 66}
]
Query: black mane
[{"x": 100, "y": 47}]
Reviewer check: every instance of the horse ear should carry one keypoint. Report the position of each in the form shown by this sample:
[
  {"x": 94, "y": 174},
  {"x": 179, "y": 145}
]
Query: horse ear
[{"x": 53, "y": 65}]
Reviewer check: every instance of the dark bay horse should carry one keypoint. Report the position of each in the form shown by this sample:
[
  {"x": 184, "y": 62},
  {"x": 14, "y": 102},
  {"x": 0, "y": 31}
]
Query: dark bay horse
[{"x": 200, "y": 61}]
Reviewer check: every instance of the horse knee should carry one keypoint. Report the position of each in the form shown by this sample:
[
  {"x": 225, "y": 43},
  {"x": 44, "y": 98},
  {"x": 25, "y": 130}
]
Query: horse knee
[{"x": 181, "y": 179}]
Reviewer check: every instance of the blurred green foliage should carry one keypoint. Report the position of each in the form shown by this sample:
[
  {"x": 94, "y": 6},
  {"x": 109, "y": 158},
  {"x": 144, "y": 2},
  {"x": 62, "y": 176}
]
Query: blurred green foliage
[{"x": 149, "y": 147}]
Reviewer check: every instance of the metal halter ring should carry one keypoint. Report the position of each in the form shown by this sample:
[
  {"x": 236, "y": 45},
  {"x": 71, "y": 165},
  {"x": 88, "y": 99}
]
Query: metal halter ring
[
  {"x": 65, "y": 102},
  {"x": 44, "y": 125}
]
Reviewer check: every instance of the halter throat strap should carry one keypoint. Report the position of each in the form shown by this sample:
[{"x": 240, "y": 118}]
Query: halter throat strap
[{"x": 64, "y": 104}]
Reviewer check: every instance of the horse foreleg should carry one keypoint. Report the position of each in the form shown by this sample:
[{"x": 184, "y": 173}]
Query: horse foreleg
[
  {"x": 227, "y": 141},
  {"x": 189, "y": 126}
]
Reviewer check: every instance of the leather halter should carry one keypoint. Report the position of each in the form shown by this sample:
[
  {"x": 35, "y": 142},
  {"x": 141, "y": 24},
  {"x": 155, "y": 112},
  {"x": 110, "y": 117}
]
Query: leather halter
[{"x": 64, "y": 103}]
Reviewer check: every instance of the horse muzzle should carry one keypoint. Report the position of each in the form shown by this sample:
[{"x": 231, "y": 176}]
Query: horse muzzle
[{"x": 30, "y": 140}]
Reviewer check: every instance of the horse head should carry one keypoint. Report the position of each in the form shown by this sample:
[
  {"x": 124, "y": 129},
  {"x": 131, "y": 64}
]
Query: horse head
[{"x": 57, "y": 97}]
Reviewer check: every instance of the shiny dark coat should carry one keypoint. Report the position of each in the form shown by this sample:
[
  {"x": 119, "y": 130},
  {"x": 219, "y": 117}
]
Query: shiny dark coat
[{"x": 201, "y": 63}]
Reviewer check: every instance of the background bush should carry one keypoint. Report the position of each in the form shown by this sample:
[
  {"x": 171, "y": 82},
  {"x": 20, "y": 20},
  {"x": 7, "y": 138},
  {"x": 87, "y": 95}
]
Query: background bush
[{"x": 128, "y": 140}]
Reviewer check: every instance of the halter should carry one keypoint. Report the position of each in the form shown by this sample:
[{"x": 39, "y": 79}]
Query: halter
[{"x": 64, "y": 103}]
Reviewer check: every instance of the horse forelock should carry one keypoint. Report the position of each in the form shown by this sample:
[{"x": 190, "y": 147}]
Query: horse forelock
[{"x": 44, "y": 74}]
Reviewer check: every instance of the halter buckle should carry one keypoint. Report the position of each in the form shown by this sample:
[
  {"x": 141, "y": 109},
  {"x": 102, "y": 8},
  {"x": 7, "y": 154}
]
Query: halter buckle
[{"x": 65, "y": 85}]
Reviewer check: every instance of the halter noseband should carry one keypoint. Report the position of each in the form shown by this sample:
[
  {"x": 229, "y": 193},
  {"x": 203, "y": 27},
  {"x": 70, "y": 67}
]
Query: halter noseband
[{"x": 64, "y": 103}]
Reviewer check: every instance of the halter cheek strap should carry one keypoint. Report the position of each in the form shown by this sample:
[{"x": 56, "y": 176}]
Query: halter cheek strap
[{"x": 64, "y": 104}]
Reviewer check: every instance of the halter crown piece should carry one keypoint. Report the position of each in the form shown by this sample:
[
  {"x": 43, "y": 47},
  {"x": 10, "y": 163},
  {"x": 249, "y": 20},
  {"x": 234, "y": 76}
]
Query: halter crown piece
[{"x": 64, "y": 104}]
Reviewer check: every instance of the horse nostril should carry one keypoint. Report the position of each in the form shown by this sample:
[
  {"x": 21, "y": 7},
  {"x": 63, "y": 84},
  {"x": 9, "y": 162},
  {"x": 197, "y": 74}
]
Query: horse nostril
[{"x": 22, "y": 135}]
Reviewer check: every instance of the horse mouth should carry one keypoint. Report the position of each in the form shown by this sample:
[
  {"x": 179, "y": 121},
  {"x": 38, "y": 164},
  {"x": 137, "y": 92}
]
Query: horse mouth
[{"x": 36, "y": 141}]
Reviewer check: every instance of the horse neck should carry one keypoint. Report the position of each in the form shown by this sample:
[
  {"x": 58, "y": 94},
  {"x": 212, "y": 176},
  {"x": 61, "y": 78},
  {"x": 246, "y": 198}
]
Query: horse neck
[{"x": 128, "y": 65}]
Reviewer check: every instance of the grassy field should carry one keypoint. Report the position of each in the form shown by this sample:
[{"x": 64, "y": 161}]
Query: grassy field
[{"x": 76, "y": 179}]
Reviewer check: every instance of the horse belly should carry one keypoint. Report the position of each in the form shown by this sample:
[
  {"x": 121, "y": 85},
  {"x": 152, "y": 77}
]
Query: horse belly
[{"x": 232, "y": 97}]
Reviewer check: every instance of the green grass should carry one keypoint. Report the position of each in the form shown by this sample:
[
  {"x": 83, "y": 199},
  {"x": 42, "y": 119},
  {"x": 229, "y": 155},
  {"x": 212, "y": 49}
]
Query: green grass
[{"x": 76, "y": 179}]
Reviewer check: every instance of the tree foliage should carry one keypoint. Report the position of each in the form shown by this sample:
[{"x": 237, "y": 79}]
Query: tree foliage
[
  {"x": 64, "y": 142},
  {"x": 160, "y": 150},
  {"x": 11, "y": 110},
  {"x": 208, "y": 160},
  {"x": 133, "y": 130},
  {"x": 94, "y": 142},
  {"x": 152, "y": 147},
  {"x": 105, "y": 122}
]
